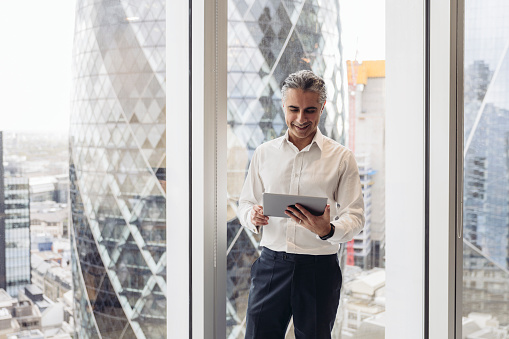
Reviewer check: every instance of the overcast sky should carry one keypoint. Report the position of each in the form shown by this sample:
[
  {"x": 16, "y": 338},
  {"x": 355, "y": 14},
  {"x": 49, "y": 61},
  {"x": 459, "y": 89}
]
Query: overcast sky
[
  {"x": 35, "y": 62},
  {"x": 363, "y": 24}
]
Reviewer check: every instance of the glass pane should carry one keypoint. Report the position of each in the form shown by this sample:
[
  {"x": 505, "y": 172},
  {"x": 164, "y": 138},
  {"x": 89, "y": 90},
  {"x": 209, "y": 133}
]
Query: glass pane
[
  {"x": 82, "y": 186},
  {"x": 486, "y": 170},
  {"x": 118, "y": 169},
  {"x": 268, "y": 40}
]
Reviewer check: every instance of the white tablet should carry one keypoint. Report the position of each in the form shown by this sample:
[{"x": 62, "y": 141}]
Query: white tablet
[{"x": 274, "y": 205}]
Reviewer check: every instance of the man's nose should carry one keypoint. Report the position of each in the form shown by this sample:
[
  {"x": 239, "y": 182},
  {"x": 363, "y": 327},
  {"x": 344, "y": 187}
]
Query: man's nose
[{"x": 300, "y": 116}]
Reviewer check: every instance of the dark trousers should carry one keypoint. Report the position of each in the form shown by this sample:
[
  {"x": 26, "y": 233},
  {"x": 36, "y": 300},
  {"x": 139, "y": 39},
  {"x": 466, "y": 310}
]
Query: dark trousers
[{"x": 285, "y": 284}]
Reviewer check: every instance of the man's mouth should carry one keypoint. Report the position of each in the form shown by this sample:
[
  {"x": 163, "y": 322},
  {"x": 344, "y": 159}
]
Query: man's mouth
[{"x": 301, "y": 127}]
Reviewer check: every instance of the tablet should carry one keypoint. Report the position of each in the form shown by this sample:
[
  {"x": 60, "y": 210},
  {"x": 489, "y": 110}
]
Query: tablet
[{"x": 274, "y": 205}]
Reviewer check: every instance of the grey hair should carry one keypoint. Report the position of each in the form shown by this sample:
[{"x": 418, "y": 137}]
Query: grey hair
[{"x": 306, "y": 81}]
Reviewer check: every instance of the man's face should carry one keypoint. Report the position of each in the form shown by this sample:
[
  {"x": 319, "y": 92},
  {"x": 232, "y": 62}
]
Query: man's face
[{"x": 302, "y": 114}]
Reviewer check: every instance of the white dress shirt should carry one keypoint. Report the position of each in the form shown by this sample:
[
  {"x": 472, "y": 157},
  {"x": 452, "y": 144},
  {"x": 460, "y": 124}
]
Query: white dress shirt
[{"x": 324, "y": 168}]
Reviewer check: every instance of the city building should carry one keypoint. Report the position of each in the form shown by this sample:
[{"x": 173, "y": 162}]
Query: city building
[
  {"x": 366, "y": 86},
  {"x": 8, "y": 325},
  {"x": 266, "y": 42},
  {"x": 117, "y": 162},
  {"x": 33, "y": 315},
  {"x": 50, "y": 218},
  {"x": 364, "y": 298},
  {"x": 42, "y": 188},
  {"x": 360, "y": 248},
  {"x": 17, "y": 234},
  {"x": 14, "y": 231},
  {"x": 50, "y": 276},
  {"x": 49, "y": 188},
  {"x": 52, "y": 312},
  {"x": 28, "y": 334},
  {"x": 61, "y": 194},
  {"x": 486, "y": 161},
  {"x": 27, "y": 314}
]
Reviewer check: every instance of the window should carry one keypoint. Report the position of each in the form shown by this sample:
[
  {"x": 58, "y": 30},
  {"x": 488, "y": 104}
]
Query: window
[
  {"x": 265, "y": 44},
  {"x": 486, "y": 169}
]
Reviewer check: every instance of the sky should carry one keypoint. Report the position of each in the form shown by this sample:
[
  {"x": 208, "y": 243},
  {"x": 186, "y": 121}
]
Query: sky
[
  {"x": 35, "y": 63},
  {"x": 363, "y": 25}
]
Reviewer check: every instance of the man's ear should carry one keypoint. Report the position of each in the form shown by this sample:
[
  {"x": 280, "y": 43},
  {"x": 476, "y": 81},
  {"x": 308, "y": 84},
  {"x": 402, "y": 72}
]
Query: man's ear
[{"x": 323, "y": 106}]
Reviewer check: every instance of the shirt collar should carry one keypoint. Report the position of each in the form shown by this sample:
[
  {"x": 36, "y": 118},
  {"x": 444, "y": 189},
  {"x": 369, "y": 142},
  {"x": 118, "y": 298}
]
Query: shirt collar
[{"x": 318, "y": 139}]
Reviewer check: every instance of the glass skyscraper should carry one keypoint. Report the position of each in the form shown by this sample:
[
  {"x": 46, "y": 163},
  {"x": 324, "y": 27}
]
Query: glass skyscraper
[
  {"x": 14, "y": 231},
  {"x": 17, "y": 234},
  {"x": 267, "y": 40},
  {"x": 117, "y": 169},
  {"x": 486, "y": 164}
]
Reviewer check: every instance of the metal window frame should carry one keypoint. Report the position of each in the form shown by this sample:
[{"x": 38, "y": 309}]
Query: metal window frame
[
  {"x": 196, "y": 168},
  {"x": 446, "y": 168},
  {"x": 424, "y": 61}
]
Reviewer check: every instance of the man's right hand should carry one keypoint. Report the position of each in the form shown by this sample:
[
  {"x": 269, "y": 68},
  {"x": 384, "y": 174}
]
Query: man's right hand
[{"x": 257, "y": 217}]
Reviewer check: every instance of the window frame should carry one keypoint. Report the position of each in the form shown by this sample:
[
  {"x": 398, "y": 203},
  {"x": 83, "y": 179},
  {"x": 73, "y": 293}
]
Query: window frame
[{"x": 424, "y": 61}]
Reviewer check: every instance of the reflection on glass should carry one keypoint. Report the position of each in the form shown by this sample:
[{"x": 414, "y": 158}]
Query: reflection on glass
[
  {"x": 486, "y": 170},
  {"x": 267, "y": 40},
  {"x": 117, "y": 169}
]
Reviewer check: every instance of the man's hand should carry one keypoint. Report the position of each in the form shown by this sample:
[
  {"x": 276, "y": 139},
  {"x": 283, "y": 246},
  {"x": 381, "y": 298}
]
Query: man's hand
[
  {"x": 319, "y": 225},
  {"x": 257, "y": 217}
]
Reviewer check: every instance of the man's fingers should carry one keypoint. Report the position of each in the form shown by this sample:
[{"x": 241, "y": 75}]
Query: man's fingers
[
  {"x": 296, "y": 212},
  {"x": 292, "y": 216},
  {"x": 303, "y": 210},
  {"x": 258, "y": 209},
  {"x": 260, "y": 218},
  {"x": 257, "y": 217}
]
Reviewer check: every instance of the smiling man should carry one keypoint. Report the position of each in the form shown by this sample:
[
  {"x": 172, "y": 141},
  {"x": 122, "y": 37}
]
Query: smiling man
[{"x": 297, "y": 273}]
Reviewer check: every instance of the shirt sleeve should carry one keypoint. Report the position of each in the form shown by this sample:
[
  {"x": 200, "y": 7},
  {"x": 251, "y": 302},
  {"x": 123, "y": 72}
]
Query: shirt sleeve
[
  {"x": 351, "y": 202},
  {"x": 251, "y": 194}
]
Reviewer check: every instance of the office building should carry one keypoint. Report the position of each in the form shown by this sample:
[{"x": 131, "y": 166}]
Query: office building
[
  {"x": 268, "y": 40},
  {"x": 117, "y": 162},
  {"x": 49, "y": 218},
  {"x": 366, "y": 83},
  {"x": 361, "y": 244},
  {"x": 14, "y": 231}
]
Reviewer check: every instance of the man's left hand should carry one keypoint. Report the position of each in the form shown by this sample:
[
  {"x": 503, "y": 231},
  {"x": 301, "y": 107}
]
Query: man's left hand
[{"x": 318, "y": 224}]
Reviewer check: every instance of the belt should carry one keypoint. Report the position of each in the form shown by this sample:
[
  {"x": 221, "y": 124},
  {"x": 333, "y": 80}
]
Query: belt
[{"x": 294, "y": 257}]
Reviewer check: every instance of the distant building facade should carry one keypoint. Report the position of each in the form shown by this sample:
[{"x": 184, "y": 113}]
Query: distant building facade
[
  {"x": 117, "y": 148},
  {"x": 366, "y": 83},
  {"x": 49, "y": 218},
  {"x": 362, "y": 242},
  {"x": 14, "y": 231}
]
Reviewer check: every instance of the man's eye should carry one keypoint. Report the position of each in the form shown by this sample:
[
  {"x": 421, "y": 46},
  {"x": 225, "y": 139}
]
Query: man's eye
[
  {"x": 294, "y": 110},
  {"x": 311, "y": 111}
]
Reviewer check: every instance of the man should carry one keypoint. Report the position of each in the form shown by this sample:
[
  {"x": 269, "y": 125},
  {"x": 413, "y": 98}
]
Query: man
[{"x": 298, "y": 272}]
